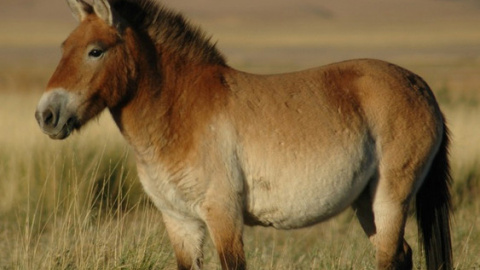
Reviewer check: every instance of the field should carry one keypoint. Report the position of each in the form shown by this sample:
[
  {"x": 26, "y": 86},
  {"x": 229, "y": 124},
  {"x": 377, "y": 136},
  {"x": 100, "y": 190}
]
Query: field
[{"x": 77, "y": 204}]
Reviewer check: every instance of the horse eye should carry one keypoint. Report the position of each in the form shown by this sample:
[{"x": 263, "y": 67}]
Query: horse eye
[{"x": 95, "y": 53}]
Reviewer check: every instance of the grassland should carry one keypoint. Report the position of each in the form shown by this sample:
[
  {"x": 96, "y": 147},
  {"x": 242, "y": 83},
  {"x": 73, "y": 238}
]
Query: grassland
[{"x": 77, "y": 204}]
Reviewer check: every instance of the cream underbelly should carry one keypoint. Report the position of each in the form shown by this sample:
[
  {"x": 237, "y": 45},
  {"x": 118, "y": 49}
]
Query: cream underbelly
[{"x": 296, "y": 197}]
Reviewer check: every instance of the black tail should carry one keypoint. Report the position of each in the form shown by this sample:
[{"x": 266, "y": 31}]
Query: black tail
[{"x": 433, "y": 206}]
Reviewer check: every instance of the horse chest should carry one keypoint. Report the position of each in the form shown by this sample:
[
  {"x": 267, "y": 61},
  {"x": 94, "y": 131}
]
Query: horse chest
[{"x": 176, "y": 193}]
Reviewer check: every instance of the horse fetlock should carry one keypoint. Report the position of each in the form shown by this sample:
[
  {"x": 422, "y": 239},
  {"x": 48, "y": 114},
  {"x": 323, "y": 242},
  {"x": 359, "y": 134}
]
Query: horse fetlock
[
  {"x": 234, "y": 260},
  {"x": 399, "y": 260}
]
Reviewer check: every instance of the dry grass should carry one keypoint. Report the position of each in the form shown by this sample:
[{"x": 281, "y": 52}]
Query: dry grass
[{"x": 77, "y": 204}]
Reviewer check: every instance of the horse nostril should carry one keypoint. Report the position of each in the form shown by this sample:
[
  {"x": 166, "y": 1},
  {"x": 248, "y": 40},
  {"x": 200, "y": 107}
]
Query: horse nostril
[{"x": 48, "y": 118}]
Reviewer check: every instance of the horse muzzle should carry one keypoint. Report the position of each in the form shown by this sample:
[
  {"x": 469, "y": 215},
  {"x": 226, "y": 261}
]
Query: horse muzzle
[{"x": 56, "y": 114}]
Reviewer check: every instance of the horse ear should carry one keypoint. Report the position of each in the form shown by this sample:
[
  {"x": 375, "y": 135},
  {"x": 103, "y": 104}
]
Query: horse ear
[
  {"x": 104, "y": 11},
  {"x": 80, "y": 9}
]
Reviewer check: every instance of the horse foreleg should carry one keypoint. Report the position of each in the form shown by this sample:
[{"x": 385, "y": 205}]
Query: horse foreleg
[
  {"x": 187, "y": 237},
  {"x": 225, "y": 225}
]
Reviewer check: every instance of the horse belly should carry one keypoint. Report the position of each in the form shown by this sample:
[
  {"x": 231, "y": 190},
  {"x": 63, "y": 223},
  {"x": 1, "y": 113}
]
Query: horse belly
[{"x": 298, "y": 197}]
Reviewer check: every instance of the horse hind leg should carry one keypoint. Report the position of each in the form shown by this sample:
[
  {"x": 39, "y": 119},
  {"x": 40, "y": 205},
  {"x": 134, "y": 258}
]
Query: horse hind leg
[
  {"x": 383, "y": 220},
  {"x": 393, "y": 252}
]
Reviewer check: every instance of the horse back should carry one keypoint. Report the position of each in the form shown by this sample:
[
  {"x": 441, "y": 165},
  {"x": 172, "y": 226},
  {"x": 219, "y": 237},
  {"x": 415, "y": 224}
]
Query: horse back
[{"x": 356, "y": 96}]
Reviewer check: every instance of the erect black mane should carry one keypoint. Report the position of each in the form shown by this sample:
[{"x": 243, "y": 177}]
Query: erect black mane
[{"x": 169, "y": 29}]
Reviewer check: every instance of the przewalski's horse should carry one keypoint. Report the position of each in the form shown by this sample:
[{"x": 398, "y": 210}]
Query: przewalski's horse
[{"x": 218, "y": 148}]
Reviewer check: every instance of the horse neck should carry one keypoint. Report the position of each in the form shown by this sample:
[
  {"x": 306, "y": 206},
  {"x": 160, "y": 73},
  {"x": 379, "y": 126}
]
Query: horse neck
[{"x": 168, "y": 104}]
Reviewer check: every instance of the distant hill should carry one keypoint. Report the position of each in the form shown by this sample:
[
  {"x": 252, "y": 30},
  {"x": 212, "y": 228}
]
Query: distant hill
[
  {"x": 272, "y": 10},
  {"x": 277, "y": 34}
]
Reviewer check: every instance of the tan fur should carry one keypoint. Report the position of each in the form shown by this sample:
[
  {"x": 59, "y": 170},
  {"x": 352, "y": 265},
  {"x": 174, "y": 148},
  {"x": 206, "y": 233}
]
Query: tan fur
[{"x": 217, "y": 148}]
